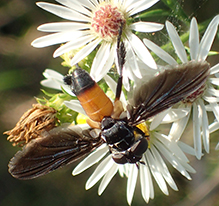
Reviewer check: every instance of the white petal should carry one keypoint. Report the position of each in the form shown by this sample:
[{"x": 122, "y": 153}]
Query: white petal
[
  {"x": 160, "y": 52},
  {"x": 196, "y": 131},
  {"x": 99, "y": 61},
  {"x": 156, "y": 173},
  {"x": 176, "y": 41},
  {"x": 140, "y": 6},
  {"x": 75, "y": 5},
  {"x": 62, "y": 26},
  {"x": 146, "y": 26},
  {"x": 172, "y": 159},
  {"x": 131, "y": 183},
  {"x": 147, "y": 188},
  {"x": 56, "y": 38},
  {"x": 214, "y": 69},
  {"x": 63, "y": 12},
  {"x": 131, "y": 61},
  {"x": 194, "y": 39},
  {"x": 73, "y": 44},
  {"x": 141, "y": 51},
  {"x": 101, "y": 170},
  {"x": 178, "y": 128},
  {"x": 215, "y": 109},
  {"x": 208, "y": 38},
  {"x": 85, "y": 51},
  {"x": 205, "y": 131},
  {"x": 158, "y": 119},
  {"x": 163, "y": 168},
  {"x": 213, "y": 92},
  {"x": 75, "y": 106},
  {"x": 214, "y": 81},
  {"x": 213, "y": 127},
  {"x": 107, "y": 178},
  {"x": 217, "y": 146},
  {"x": 91, "y": 159},
  {"x": 175, "y": 115},
  {"x": 186, "y": 148}
]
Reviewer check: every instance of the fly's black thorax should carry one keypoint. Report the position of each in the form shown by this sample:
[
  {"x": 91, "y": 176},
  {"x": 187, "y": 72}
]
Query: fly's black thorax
[
  {"x": 126, "y": 143},
  {"x": 79, "y": 81}
]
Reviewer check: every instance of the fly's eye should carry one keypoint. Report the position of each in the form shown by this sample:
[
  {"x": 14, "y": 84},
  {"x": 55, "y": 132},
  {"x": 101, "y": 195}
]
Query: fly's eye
[{"x": 139, "y": 148}]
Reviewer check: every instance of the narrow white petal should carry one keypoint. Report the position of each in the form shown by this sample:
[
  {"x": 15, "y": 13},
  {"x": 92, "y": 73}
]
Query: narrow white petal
[
  {"x": 141, "y": 51},
  {"x": 74, "y": 44},
  {"x": 49, "y": 73},
  {"x": 160, "y": 52},
  {"x": 85, "y": 51},
  {"x": 194, "y": 39},
  {"x": 217, "y": 146},
  {"x": 147, "y": 188},
  {"x": 99, "y": 61},
  {"x": 131, "y": 61},
  {"x": 107, "y": 178},
  {"x": 173, "y": 147},
  {"x": 91, "y": 159},
  {"x": 208, "y": 38},
  {"x": 205, "y": 131},
  {"x": 56, "y": 38},
  {"x": 75, "y": 106},
  {"x": 215, "y": 109},
  {"x": 62, "y": 26},
  {"x": 214, "y": 69},
  {"x": 175, "y": 115},
  {"x": 214, "y": 81},
  {"x": 131, "y": 183},
  {"x": 172, "y": 159},
  {"x": 158, "y": 119},
  {"x": 186, "y": 148},
  {"x": 146, "y": 26},
  {"x": 75, "y": 5},
  {"x": 178, "y": 128},
  {"x": 196, "y": 131},
  {"x": 163, "y": 168},
  {"x": 156, "y": 173},
  {"x": 63, "y": 12},
  {"x": 213, "y": 91},
  {"x": 176, "y": 41},
  {"x": 213, "y": 127},
  {"x": 101, "y": 170},
  {"x": 140, "y": 6}
]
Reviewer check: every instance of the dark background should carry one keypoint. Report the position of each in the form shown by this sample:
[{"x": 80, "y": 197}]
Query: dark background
[{"x": 21, "y": 68}]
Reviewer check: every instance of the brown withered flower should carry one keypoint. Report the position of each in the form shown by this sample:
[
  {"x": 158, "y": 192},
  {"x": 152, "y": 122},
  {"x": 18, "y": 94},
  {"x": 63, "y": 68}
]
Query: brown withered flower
[{"x": 37, "y": 119}]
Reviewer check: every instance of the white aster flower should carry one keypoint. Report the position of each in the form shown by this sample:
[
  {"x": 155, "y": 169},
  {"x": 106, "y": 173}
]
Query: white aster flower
[
  {"x": 153, "y": 166},
  {"x": 92, "y": 23},
  {"x": 198, "y": 53}
]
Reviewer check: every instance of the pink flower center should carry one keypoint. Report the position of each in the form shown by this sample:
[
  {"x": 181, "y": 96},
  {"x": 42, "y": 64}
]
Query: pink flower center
[
  {"x": 107, "y": 21},
  {"x": 197, "y": 93}
]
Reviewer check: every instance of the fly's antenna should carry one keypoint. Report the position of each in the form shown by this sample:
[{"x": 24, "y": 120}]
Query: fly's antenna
[{"x": 121, "y": 53}]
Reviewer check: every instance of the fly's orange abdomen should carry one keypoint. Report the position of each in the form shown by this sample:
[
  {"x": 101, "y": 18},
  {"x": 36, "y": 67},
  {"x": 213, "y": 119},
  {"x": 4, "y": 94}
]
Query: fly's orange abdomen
[
  {"x": 95, "y": 103},
  {"x": 92, "y": 98}
]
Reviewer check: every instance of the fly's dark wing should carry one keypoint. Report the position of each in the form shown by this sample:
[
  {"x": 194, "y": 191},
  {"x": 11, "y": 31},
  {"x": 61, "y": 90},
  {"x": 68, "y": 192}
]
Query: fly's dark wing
[
  {"x": 166, "y": 89},
  {"x": 52, "y": 150}
]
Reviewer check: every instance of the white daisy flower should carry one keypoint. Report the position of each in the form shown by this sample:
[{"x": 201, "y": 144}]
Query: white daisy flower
[
  {"x": 92, "y": 23},
  {"x": 152, "y": 166},
  {"x": 196, "y": 102}
]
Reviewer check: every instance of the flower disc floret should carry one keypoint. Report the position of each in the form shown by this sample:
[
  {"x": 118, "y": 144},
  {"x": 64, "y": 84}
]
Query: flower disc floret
[{"x": 107, "y": 21}]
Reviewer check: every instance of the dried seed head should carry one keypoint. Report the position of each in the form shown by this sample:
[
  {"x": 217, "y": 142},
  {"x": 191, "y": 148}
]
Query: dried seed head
[{"x": 31, "y": 124}]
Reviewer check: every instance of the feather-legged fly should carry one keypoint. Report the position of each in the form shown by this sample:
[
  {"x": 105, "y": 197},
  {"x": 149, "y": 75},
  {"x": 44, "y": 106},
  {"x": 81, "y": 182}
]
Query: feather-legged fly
[{"x": 127, "y": 143}]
